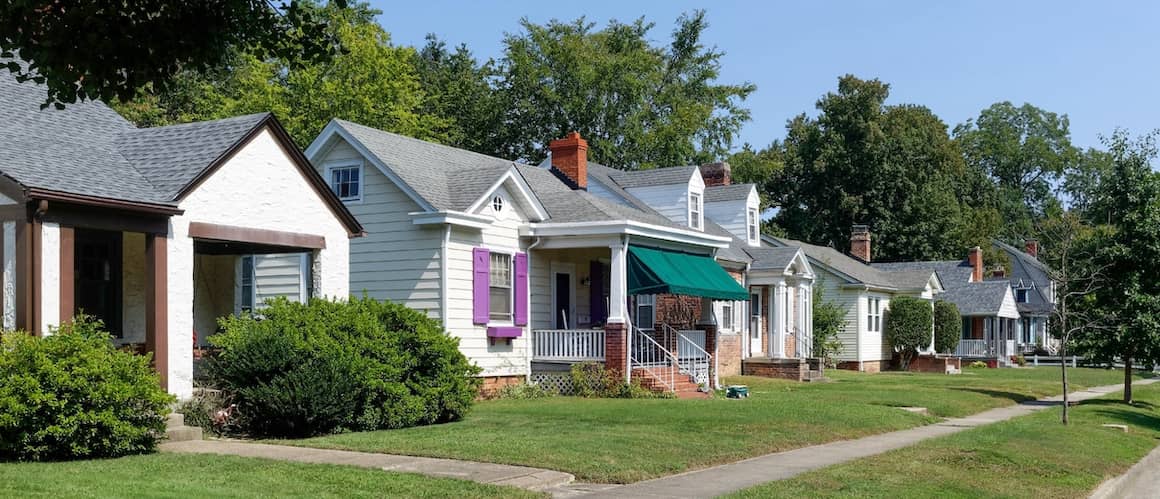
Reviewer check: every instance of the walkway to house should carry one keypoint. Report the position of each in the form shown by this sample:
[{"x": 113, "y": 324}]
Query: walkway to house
[
  {"x": 718, "y": 480},
  {"x": 495, "y": 474}
]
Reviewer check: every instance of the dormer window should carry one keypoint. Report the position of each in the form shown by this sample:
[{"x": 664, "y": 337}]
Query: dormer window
[
  {"x": 695, "y": 210},
  {"x": 346, "y": 180},
  {"x": 1021, "y": 295},
  {"x": 751, "y": 221}
]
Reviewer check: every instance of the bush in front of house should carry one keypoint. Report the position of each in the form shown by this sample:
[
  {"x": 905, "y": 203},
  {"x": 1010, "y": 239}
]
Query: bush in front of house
[
  {"x": 330, "y": 366},
  {"x": 948, "y": 327},
  {"x": 908, "y": 327},
  {"x": 593, "y": 380},
  {"x": 72, "y": 395}
]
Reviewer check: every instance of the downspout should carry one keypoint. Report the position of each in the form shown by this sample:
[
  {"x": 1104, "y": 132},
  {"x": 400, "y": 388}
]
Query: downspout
[
  {"x": 628, "y": 316},
  {"x": 528, "y": 351}
]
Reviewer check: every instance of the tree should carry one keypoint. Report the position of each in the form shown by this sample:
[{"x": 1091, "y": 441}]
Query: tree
[
  {"x": 908, "y": 327},
  {"x": 1128, "y": 256},
  {"x": 947, "y": 326},
  {"x": 458, "y": 89},
  {"x": 1023, "y": 150},
  {"x": 758, "y": 167},
  {"x": 828, "y": 320},
  {"x": 892, "y": 167},
  {"x": 1068, "y": 250},
  {"x": 110, "y": 49},
  {"x": 372, "y": 82},
  {"x": 637, "y": 105}
]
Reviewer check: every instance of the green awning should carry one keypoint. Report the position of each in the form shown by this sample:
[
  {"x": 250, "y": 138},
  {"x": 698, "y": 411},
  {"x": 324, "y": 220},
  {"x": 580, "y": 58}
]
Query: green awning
[{"x": 655, "y": 271}]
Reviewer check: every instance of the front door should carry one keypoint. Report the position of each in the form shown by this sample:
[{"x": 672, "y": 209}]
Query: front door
[
  {"x": 563, "y": 318},
  {"x": 755, "y": 346},
  {"x": 97, "y": 277}
]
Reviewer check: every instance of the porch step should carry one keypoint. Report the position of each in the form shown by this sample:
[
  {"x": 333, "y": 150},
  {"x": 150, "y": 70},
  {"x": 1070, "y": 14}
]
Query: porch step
[
  {"x": 683, "y": 384},
  {"x": 176, "y": 431},
  {"x": 815, "y": 376}
]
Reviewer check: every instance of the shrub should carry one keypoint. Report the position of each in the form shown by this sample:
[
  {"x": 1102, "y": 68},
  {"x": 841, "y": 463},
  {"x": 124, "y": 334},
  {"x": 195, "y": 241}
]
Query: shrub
[
  {"x": 908, "y": 327},
  {"x": 329, "y": 366},
  {"x": 828, "y": 320},
  {"x": 948, "y": 327},
  {"x": 525, "y": 391},
  {"x": 72, "y": 395},
  {"x": 978, "y": 364},
  {"x": 200, "y": 409},
  {"x": 1019, "y": 360},
  {"x": 592, "y": 380}
]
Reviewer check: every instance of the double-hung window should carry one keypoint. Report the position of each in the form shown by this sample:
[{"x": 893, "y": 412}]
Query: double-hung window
[
  {"x": 727, "y": 315},
  {"x": 500, "y": 287},
  {"x": 752, "y": 222},
  {"x": 695, "y": 210},
  {"x": 646, "y": 311},
  {"x": 874, "y": 315},
  {"x": 346, "y": 181}
]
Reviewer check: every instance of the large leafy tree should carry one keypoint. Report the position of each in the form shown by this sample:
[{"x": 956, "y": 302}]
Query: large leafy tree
[
  {"x": 1128, "y": 259},
  {"x": 110, "y": 49},
  {"x": 637, "y": 104},
  {"x": 1023, "y": 150},
  {"x": 458, "y": 89},
  {"x": 894, "y": 167}
]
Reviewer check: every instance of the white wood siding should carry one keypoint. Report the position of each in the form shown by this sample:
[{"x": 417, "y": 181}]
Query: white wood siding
[
  {"x": 730, "y": 215},
  {"x": 671, "y": 201},
  {"x": 278, "y": 275},
  {"x": 540, "y": 283},
  {"x": 847, "y": 299},
  {"x": 397, "y": 260},
  {"x": 1008, "y": 308},
  {"x": 874, "y": 345}
]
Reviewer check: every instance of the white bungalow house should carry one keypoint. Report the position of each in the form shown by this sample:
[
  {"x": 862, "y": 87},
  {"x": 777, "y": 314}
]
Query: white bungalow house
[
  {"x": 533, "y": 268},
  {"x": 864, "y": 292},
  {"x": 157, "y": 231}
]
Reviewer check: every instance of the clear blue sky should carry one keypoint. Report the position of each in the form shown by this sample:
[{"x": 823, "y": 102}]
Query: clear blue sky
[{"x": 1097, "y": 62}]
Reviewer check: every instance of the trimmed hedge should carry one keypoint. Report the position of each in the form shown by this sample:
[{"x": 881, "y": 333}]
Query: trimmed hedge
[
  {"x": 331, "y": 366},
  {"x": 72, "y": 395},
  {"x": 948, "y": 327},
  {"x": 908, "y": 327}
]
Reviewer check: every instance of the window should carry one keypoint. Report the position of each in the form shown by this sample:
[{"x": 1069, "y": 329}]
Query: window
[
  {"x": 1027, "y": 332},
  {"x": 755, "y": 314},
  {"x": 727, "y": 315},
  {"x": 753, "y": 228},
  {"x": 500, "y": 287},
  {"x": 695, "y": 210},
  {"x": 346, "y": 181},
  {"x": 497, "y": 204},
  {"x": 646, "y": 307},
  {"x": 247, "y": 290},
  {"x": 874, "y": 316},
  {"x": 967, "y": 334},
  {"x": 1021, "y": 295}
]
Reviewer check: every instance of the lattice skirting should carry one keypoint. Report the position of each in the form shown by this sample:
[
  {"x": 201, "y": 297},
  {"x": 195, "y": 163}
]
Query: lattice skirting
[{"x": 557, "y": 381}]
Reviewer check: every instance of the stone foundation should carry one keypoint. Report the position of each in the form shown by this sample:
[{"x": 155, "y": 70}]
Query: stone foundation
[
  {"x": 493, "y": 384},
  {"x": 793, "y": 369},
  {"x": 933, "y": 364},
  {"x": 729, "y": 354}
]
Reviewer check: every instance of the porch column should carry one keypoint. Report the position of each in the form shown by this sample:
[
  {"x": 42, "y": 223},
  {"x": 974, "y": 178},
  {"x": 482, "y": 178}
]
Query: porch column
[
  {"x": 67, "y": 282},
  {"x": 616, "y": 333},
  {"x": 777, "y": 349},
  {"x": 157, "y": 304},
  {"x": 804, "y": 337},
  {"x": 27, "y": 276},
  {"x": 9, "y": 277}
]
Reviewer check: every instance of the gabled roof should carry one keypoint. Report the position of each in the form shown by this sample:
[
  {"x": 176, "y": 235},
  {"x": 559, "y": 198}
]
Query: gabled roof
[
  {"x": 769, "y": 258},
  {"x": 672, "y": 175},
  {"x": 89, "y": 154},
  {"x": 854, "y": 270},
  {"x": 565, "y": 205},
  {"x": 972, "y": 298},
  {"x": 732, "y": 192},
  {"x": 1029, "y": 272}
]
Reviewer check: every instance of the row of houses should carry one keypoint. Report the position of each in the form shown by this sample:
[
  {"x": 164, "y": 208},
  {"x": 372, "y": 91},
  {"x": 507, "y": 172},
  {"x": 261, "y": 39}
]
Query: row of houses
[{"x": 662, "y": 274}]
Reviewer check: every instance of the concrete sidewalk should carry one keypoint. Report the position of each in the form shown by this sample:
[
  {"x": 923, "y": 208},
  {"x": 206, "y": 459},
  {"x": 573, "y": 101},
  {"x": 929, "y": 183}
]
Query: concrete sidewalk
[
  {"x": 1142, "y": 481},
  {"x": 718, "y": 480},
  {"x": 495, "y": 474}
]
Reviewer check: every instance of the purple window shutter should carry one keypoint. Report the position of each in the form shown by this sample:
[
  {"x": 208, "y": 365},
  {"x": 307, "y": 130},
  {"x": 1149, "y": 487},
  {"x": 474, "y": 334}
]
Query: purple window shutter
[
  {"x": 481, "y": 263},
  {"x": 521, "y": 290},
  {"x": 596, "y": 292}
]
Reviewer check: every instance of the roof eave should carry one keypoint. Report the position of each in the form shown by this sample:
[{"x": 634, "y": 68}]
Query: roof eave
[{"x": 103, "y": 202}]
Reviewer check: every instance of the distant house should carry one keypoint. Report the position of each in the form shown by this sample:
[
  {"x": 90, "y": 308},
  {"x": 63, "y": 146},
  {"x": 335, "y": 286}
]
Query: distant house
[
  {"x": 157, "y": 231},
  {"x": 864, "y": 292},
  {"x": 1034, "y": 292}
]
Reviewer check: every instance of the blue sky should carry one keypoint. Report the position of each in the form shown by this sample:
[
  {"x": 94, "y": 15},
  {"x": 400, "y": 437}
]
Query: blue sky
[{"x": 1094, "y": 61}]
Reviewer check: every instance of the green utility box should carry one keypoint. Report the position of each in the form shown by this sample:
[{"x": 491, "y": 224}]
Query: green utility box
[{"x": 737, "y": 392}]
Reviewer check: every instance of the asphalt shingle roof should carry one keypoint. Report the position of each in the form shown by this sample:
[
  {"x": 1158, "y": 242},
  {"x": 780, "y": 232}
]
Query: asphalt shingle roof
[
  {"x": 1027, "y": 270},
  {"x": 771, "y": 258},
  {"x": 972, "y": 298},
  {"x": 733, "y": 192},
  {"x": 657, "y": 176},
  {"x": 857, "y": 271}
]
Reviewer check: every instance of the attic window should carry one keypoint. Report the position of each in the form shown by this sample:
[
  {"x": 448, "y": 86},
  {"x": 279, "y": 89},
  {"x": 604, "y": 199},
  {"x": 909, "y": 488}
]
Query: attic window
[
  {"x": 752, "y": 223},
  {"x": 346, "y": 180},
  {"x": 497, "y": 204},
  {"x": 1021, "y": 295},
  {"x": 695, "y": 210}
]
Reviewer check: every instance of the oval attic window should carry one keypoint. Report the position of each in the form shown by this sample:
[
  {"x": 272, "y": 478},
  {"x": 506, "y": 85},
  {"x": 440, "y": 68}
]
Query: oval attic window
[{"x": 497, "y": 204}]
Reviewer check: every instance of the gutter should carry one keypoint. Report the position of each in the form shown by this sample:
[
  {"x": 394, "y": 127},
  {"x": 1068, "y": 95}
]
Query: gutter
[{"x": 144, "y": 207}]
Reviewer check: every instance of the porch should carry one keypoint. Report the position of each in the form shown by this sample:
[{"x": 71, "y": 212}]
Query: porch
[{"x": 990, "y": 337}]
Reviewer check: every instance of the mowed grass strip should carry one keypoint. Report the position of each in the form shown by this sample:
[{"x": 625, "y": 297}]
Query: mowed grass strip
[
  {"x": 187, "y": 475},
  {"x": 1031, "y": 456},
  {"x": 623, "y": 441}
]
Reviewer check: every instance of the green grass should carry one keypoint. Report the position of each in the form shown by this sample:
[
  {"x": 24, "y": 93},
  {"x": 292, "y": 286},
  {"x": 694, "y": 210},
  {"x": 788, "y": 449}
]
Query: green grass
[
  {"x": 1031, "y": 456},
  {"x": 186, "y": 475},
  {"x": 623, "y": 441}
]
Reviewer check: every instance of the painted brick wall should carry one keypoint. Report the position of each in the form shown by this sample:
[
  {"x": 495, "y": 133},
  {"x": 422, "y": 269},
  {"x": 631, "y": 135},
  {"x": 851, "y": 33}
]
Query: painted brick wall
[{"x": 729, "y": 354}]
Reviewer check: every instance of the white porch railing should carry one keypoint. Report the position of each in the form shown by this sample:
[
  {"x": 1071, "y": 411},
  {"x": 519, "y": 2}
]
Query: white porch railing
[
  {"x": 649, "y": 356},
  {"x": 973, "y": 348},
  {"x": 692, "y": 357},
  {"x": 568, "y": 344}
]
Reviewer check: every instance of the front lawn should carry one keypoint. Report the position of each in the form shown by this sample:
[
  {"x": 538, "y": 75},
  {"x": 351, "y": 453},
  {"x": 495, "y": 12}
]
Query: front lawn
[
  {"x": 1031, "y": 456},
  {"x": 187, "y": 475},
  {"x": 623, "y": 441}
]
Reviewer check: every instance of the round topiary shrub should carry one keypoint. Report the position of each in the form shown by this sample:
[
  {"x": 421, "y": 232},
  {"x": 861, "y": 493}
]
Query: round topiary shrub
[
  {"x": 948, "y": 327},
  {"x": 72, "y": 395},
  {"x": 329, "y": 366},
  {"x": 908, "y": 327}
]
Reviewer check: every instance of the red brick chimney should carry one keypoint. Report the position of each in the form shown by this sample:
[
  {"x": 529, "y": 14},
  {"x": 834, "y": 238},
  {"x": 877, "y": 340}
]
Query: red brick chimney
[
  {"x": 570, "y": 157},
  {"x": 860, "y": 242},
  {"x": 1031, "y": 246},
  {"x": 716, "y": 174},
  {"x": 975, "y": 258}
]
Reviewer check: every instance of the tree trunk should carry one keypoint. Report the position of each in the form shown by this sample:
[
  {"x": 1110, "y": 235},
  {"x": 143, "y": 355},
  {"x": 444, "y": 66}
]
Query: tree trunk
[
  {"x": 1063, "y": 371},
  {"x": 1127, "y": 379}
]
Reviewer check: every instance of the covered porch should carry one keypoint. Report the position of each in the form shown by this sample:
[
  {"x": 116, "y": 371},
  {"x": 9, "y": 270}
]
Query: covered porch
[{"x": 989, "y": 337}]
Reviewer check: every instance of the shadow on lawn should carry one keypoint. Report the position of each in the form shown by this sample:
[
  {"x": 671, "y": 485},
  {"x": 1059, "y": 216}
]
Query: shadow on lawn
[{"x": 1017, "y": 397}]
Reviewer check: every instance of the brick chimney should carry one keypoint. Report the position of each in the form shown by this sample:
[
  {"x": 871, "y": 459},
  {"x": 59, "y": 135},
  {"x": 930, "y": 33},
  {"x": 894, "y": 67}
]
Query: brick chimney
[
  {"x": 860, "y": 242},
  {"x": 716, "y": 174},
  {"x": 570, "y": 157},
  {"x": 1031, "y": 246},
  {"x": 975, "y": 258}
]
